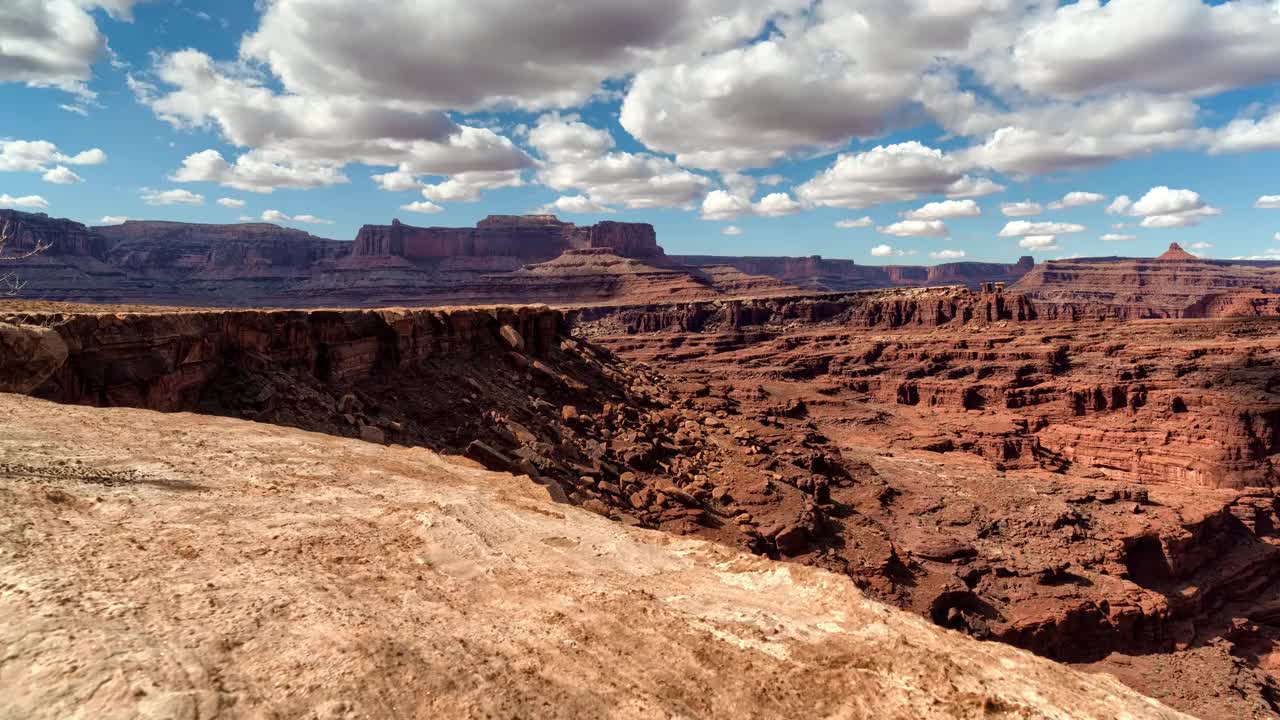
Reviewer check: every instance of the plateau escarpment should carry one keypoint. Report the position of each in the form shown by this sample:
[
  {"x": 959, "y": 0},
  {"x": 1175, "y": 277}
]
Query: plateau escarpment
[
  {"x": 1175, "y": 285},
  {"x": 503, "y": 259},
  {"x": 818, "y": 273}
]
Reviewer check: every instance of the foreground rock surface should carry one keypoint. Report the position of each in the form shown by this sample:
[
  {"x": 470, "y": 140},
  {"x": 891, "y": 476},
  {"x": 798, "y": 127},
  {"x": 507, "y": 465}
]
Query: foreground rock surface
[{"x": 162, "y": 566}]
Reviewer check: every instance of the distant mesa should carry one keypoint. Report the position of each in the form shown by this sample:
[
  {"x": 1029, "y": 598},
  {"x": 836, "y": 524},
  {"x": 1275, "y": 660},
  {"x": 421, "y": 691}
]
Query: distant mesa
[
  {"x": 1175, "y": 252},
  {"x": 504, "y": 258}
]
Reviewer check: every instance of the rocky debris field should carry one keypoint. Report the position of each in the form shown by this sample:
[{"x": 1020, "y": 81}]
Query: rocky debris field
[{"x": 183, "y": 566}]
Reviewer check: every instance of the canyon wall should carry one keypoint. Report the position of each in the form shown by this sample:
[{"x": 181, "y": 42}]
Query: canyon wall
[
  {"x": 171, "y": 361},
  {"x": 1174, "y": 285},
  {"x": 1186, "y": 403},
  {"x": 816, "y": 272},
  {"x": 530, "y": 238}
]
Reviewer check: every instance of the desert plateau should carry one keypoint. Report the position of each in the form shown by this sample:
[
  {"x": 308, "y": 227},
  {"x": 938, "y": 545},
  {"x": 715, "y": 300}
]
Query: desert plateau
[{"x": 682, "y": 359}]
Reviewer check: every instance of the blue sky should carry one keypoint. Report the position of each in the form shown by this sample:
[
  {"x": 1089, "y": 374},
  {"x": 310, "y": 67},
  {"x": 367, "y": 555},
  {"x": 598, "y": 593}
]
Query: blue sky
[{"x": 776, "y": 118}]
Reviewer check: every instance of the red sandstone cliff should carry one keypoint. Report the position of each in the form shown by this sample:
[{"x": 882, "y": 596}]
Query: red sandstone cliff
[
  {"x": 1175, "y": 285},
  {"x": 818, "y": 273},
  {"x": 529, "y": 238}
]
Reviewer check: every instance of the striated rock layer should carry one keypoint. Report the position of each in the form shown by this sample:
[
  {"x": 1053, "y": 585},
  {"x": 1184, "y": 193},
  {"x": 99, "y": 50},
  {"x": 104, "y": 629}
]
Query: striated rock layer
[
  {"x": 818, "y": 273},
  {"x": 1175, "y": 285}
]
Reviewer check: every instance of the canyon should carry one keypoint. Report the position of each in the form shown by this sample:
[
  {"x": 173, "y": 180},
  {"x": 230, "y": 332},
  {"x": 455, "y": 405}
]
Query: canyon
[
  {"x": 1101, "y": 492},
  {"x": 1076, "y": 459}
]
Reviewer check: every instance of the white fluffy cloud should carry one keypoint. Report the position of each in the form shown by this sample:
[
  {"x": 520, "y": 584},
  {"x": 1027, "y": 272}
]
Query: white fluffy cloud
[
  {"x": 947, "y": 254},
  {"x": 25, "y": 201},
  {"x": 425, "y": 207},
  {"x": 576, "y": 205},
  {"x": 580, "y": 157},
  {"x": 1165, "y": 207},
  {"x": 471, "y": 54},
  {"x": 1163, "y": 46},
  {"x": 171, "y": 197},
  {"x": 893, "y": 173},
  {"x": 61, "y": 175},
  {"x": 1023, "y": 228},
  {"x": 882, "y": 251},
  {"x": 277, "y": 216},
  {"x": 1268, "y": 202},
  {"x": 258, "y": 171},
  {"x": 470, "y": 186},
  {"x": 53, "y": 43},
  {"x": 1077, "y": 199},
  {"x": 862, "y": 222},
  {"x": 234, "y": 203},
  {"x": 1024, "y": 208},
  {"x": 43, "y": 156},
  {"x": 944, "y": 210},
  {"x": 916, "y": 228},
  {"x": 732, "y": 231},
  {"x": 1039, "y": 242},
  {"x": 1114, "y": 237},
  {"x": 113, "y": 220},
  {"x": 303, "y": 141},
  {"x": 1247, "y": 134}
]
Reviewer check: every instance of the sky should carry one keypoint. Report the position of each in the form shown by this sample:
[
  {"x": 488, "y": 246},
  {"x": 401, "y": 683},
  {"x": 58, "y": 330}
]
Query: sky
[{"x": 884, "y": 131}]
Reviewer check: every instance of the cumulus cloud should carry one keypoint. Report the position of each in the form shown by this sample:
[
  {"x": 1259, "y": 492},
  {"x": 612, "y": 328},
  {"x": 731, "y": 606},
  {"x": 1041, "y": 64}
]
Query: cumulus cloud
[
  {"x": 1072, "y": 136},
  {"x": 893, "y": 173},
  {"x": 43, "y": 156},
  {"x": 576, "y": 205},
  {"x": 61, "y": 175},
  {"x": 113, "y": 220},
  {"x": 862, "y": 222},
  {"x": 469, "y": 187},
  {"x": 301, "y": 141},
  {"x": 916, "y": 228},
  {"x": 259, "y": 171},
  {"x": 1247, "y": 134},
  {"x": 53, "y": 43},
  {"x": 1201, "y": 246},
  {"x": 882, "y": 251},
  {"x": 1169, "y": 46},
  {"x": 277, "y": 216},
  {"x": 231, "y": 202},
  {"x": 1165, "y": 207},
  {"x": 171, "y": 197},
  {"x": 1077, "y": 199},
  {"x": 580, "y": 157},
  {"x": 1268, "y": 202},
  {"x": 944, "y": 210},
  {"x": 1114, "y": 237},
  {"x": 1023, "y": 228},
  {"x": 456, "y": 54},
  {"x": 1039, "y": 242},
  {"x": 422, "y": 206},
  {"x": 25, "y": 201},
  {"x": 947, "y": 254},
  {"x": 732, "y": 230},
  {"x": 1025, "y": 208}
]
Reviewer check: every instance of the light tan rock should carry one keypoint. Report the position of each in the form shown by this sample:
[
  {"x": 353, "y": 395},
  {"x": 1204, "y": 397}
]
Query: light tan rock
[{"x": 206, "y": 567}]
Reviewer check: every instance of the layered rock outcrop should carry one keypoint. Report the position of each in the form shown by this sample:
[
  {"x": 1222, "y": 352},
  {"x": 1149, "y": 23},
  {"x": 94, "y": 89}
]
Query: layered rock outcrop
[
  {"x": 1175, "y": 285},
  {"x": 529, "y": 238},
  {"x": 818, "y": 273}
]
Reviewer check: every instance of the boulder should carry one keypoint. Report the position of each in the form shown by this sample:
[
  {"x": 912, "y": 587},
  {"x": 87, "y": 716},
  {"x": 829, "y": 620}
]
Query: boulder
[{"x": 29, "y": 355}]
